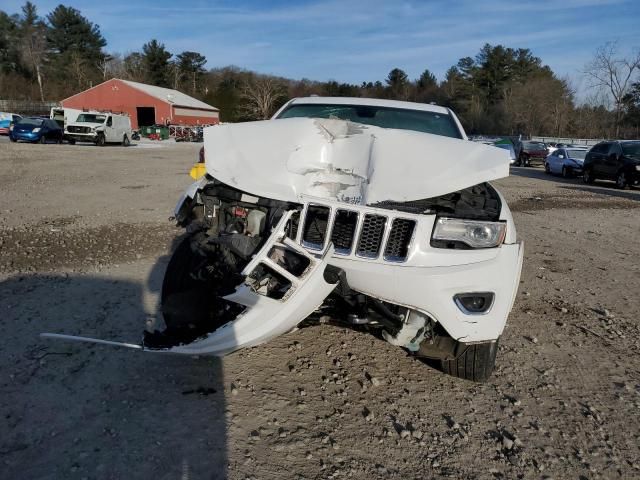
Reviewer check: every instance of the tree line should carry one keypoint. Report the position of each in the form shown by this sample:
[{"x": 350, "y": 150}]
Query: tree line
[{"x": 500, "y": 90}]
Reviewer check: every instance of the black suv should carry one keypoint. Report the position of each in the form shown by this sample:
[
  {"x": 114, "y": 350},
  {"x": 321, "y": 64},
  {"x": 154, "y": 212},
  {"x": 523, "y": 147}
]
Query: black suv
[{"x": 613, "y": 160}]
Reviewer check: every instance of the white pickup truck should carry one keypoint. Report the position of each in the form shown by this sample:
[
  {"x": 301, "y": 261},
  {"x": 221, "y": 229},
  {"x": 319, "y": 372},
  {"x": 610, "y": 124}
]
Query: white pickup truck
[{"x": 99, "y": 128}]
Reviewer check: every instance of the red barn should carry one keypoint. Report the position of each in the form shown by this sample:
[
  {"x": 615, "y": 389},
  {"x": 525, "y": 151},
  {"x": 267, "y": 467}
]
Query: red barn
[{"x": 145, "y": 104}]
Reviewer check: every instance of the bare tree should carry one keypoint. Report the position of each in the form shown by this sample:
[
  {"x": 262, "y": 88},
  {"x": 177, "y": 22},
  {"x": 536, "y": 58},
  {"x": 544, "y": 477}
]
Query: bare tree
[
  {"x": 115, "y": 66},
  {"x": 613, "y": 74},
  {"x": 108, "y": 65},
  {"x": 260, "y": 97},
  {"x": 176, "y": 74},
  {"x": 133, "y": 67},
  {"x": 561, "y": 98},
  {"x": 78, "y": 67},
  {"x": 34, "y": 42}
]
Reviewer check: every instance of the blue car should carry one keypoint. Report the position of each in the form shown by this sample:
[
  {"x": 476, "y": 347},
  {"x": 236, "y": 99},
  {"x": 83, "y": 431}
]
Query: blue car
[
  {"x": 566, "y": 161},
  {"x": 33, "y": 129}
]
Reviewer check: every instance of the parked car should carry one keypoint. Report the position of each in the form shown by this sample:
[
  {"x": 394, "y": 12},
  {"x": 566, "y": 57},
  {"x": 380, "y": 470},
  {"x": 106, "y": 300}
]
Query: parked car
[
  {"x": 100, "y": 128},
  {"x": 565, "y": 161},
  {"x": 532, "y": 152},
  {"x": 7, "y": 120},
  {"x": 372, "y": 213},
  {"x": 510, "y": 149},
  {"x": 36, "y": 129},
  {"x": 613, "y": 160}
]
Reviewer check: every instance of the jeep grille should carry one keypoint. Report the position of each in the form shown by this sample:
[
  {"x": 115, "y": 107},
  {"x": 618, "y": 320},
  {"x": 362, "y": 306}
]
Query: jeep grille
[{"x": 353, "y": 233}]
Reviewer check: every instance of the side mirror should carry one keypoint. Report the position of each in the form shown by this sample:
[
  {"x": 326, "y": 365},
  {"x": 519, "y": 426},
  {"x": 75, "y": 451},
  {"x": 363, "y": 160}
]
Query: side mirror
[{"x": 613, "y": 156}]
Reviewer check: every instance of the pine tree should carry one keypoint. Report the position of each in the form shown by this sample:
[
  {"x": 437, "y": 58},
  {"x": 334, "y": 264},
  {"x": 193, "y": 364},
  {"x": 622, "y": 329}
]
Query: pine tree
[{"x": 156, "y": 62}]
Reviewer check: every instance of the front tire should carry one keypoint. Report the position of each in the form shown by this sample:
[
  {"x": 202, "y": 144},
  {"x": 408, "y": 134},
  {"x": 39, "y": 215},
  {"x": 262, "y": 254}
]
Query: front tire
[
  {"x": 566, "y": 173},
  {"x": 192, "y": 288},
  {"x": 100, "y": 141},
  {"x": 621, "y": 180},
  {"x": 125, "y": 141},
  {"x": 476, "y": 362},
  {"x": 524, "y": 161},
  {"x": 42, "y": 140},
  {"x": 547, "y": 169},
  {"x": 587, "y": 176}
]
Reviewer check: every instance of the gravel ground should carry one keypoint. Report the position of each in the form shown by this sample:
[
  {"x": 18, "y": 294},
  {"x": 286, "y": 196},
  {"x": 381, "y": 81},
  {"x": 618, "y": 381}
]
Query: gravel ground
[{"x": 84, "y": 240}]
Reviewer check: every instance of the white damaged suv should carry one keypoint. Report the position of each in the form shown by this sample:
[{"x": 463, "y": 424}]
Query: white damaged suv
[{"x": 371, "y": 213}]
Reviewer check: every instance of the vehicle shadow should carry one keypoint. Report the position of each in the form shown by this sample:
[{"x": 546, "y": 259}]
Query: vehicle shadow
[{"x": 91, "y": 411}]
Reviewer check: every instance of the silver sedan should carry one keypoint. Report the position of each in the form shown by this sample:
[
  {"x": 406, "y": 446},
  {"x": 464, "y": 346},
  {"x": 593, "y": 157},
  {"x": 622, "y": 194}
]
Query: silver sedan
[{"x": 565, "y": 161}]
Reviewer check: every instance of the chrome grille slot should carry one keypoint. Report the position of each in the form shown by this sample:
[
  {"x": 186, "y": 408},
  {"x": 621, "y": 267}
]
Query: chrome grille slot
[
  {"x": 399, "y": 239},
  {"x": 344, "y": 229},
  {"x": 371, "y": 235},
  {"x": 314, "y": 230}
]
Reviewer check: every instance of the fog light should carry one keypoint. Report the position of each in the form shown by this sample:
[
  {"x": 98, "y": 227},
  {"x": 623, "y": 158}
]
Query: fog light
[{"x": 475, "y": 303}]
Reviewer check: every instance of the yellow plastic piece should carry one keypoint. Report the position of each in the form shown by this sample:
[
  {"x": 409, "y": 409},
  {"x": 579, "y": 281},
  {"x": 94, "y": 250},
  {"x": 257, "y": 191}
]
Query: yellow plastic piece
[{"x": 197, "y": 171}]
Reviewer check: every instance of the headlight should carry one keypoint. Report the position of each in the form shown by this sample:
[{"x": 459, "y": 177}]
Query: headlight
[
  {"x": 637, "y": 168},
  {"x": 36, "y": 130},
  {"x": 474, "y": 233}
]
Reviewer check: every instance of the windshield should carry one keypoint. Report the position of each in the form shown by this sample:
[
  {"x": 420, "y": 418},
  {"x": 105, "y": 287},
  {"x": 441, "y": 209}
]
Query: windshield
[
  {"x": 91, "y": 118},
  {"x": 577, "y": 154},
  {"x": 384, "y": 117},
  {"x": 631, "y": 148},
  {"x": 31, "y": 122}
]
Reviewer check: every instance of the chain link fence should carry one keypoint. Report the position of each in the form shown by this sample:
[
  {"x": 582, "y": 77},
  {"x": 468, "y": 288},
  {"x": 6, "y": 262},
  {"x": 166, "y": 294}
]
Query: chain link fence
[{"x": 27, "y": 107}]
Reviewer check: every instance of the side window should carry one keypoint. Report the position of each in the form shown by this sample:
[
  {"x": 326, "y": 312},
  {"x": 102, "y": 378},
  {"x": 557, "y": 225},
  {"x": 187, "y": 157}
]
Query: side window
[
  {"x": 615, "y": 148},
  {"x": 601, "y": 148},
  {"x": 109, "y": 121}
]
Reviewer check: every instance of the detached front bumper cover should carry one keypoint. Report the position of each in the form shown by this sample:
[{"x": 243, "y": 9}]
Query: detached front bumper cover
[{"x": 264, "y": 318}]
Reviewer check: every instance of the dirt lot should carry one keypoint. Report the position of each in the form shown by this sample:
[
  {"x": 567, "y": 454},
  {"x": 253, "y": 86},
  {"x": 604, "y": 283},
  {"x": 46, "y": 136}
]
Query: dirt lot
[{"x": 84, "y": 239}]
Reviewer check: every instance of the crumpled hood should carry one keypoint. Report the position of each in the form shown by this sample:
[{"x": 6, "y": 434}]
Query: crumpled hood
[{"x": 345, "y": 161}]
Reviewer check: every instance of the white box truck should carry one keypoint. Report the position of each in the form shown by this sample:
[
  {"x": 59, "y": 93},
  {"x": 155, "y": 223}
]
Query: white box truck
[{"x": 64, "y": 116}]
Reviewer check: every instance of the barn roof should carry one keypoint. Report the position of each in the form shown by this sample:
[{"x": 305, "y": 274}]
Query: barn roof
[{"x": 171, "y": 96}]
